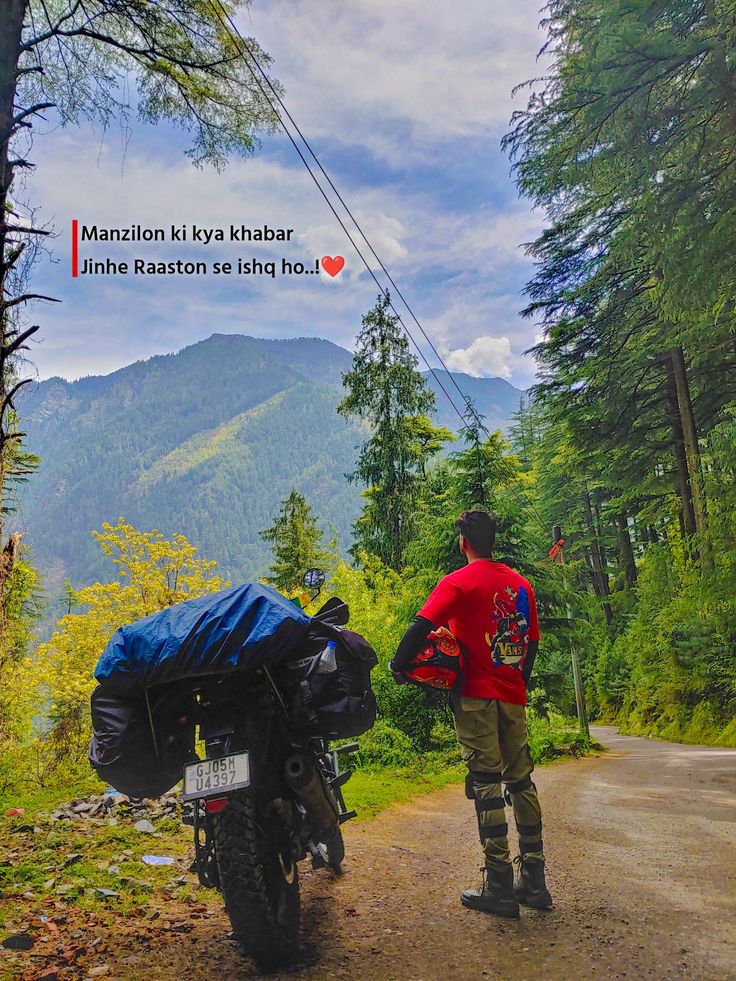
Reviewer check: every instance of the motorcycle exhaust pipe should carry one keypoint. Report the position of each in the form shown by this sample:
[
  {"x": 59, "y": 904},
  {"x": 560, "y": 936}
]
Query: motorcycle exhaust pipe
[{"x": 308, "y": 787}]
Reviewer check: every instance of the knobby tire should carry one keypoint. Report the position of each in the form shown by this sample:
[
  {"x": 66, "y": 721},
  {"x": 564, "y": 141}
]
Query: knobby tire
[{"x": 262, "y": 904}]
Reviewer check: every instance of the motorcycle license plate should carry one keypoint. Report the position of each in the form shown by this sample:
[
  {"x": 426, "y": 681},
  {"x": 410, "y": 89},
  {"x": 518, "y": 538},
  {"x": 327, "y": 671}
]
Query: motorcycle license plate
[{"x": 212, "y": 778}]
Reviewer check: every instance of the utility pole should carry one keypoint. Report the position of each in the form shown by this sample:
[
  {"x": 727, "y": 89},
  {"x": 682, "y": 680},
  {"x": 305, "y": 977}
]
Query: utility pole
[
  {"x": 556, "y": 554},
  {"x": 579, "y": 690}
]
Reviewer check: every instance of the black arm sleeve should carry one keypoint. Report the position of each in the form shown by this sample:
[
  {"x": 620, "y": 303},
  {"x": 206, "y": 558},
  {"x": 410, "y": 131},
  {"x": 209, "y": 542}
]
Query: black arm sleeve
[
  {"x": 411, "y": 643},
  {"x": 531, "y": 654}
]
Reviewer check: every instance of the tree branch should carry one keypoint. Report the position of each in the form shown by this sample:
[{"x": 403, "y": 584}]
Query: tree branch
[
  {"x": 21, "y": 228},
  {"x": 7, "y": 304},
  {"x": 29, "y": 112}
]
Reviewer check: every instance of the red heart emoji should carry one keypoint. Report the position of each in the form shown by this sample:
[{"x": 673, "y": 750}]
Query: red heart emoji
[{"x": 332, "y": 264}]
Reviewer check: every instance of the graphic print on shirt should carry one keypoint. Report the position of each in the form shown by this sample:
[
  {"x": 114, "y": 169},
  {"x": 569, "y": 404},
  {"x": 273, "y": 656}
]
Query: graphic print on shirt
[{"x": 510, "y": 618}]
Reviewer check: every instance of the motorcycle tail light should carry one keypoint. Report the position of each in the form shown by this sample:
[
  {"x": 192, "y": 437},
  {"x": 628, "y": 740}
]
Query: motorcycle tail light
[{"x": 215, "y": 804}]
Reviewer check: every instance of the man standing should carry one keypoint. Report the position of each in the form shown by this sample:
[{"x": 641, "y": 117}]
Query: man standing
[{"x": 492, "y": 611}]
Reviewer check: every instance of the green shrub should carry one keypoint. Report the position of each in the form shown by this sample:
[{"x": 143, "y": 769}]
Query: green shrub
[
  {"x": 554, "y": 736},
  {"x": 384, "y": 746}
]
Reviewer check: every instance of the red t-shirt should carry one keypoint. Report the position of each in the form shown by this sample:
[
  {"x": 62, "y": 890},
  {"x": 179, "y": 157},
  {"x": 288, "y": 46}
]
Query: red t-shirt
[{"x": 492, "y": 611}]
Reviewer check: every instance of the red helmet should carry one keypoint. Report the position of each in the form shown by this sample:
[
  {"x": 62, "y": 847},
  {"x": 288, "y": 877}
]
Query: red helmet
[{"x": 440, "y": 663}]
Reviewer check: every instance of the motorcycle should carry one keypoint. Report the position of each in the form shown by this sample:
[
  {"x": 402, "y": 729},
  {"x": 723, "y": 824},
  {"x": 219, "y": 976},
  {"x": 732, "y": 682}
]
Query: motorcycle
[{"x": 260, "y": 800}]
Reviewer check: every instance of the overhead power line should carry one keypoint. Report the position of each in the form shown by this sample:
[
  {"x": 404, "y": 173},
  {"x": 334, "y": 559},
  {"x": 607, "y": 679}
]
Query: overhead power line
[
  {"x": 275, "y": 101},
  {"x": 252, "y": 60}
]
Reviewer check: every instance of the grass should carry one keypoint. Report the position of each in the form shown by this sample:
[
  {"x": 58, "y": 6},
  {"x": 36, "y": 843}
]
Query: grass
[
  {"x": 68, "y": 861},
  {"x": 39, "y": 799},
  {"x": 371, "y": 790}
]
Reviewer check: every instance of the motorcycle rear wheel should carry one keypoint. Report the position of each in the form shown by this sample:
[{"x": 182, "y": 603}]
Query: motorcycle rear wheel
[{"x": 259, "y": 885}]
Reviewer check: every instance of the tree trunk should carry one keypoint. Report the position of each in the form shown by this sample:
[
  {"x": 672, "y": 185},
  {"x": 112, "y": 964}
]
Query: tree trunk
[
  {"x": 690, "y": 437},
  {"x": 600, "y": 577},
  {"x": 627, "y": 552},
  {"x": 682, "y": 476},
  {"x": 599, "y": 534},
  {"x": 12, "y": 13}
]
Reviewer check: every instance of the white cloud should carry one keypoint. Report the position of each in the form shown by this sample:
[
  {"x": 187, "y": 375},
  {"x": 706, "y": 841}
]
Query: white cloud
[
  {"x": 387, "y": 236},
  {"x": 443, "y": 71},
  {"x": 486, "y": 356}
]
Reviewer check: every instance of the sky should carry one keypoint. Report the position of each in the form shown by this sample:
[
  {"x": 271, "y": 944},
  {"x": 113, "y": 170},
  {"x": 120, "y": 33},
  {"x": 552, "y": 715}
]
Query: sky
[{"x": 405, "y": 103}]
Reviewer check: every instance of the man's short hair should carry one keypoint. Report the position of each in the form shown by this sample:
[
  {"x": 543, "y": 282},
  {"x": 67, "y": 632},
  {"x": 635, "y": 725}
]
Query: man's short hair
[{"x": 478, "y": 528}]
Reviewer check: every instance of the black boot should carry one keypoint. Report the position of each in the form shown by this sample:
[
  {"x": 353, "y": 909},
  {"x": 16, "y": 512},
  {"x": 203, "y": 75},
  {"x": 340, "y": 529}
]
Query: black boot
[
  {"x": 531, "y": 889},
  {"x": 497, "y": 894}
]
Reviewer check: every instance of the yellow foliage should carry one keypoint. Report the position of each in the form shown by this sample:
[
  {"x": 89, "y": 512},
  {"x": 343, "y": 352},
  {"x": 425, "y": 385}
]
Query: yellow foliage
[
  {"x": 16, "y": 700},
  {"x": 153, "y": 573}
]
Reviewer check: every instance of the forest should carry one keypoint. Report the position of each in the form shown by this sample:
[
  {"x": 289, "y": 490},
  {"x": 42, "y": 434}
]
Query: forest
[{"x": 627, "y": 443}]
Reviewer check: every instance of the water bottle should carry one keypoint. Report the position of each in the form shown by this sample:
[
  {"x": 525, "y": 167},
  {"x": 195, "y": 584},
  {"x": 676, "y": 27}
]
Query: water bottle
[{"x": 328, "y": 658}]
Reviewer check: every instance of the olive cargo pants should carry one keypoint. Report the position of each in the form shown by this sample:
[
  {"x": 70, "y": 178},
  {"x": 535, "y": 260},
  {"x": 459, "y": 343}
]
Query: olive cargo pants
[{"x": 493, "y": 740}]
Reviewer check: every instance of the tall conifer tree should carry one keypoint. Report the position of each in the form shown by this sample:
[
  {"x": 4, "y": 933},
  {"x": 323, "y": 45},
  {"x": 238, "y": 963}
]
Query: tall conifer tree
[
  {"x": 296, "y": 542},
  {"x": 385, "y": 390}
]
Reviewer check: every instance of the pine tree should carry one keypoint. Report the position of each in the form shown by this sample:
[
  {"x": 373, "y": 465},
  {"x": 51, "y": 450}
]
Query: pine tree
[
  {"x": 385, "y": 390},
  {"x": 296, "y": 543}
]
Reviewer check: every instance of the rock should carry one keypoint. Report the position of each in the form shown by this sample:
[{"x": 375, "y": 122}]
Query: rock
[
  {"x": 107, "y": 893},
  {"x": 72, "y": 859},
  {"x": 98, "y": 972},
  {"x": 19, "y": 941},
  {"x": 84, "y": 807},
  {"x": 144, "y": 826}
]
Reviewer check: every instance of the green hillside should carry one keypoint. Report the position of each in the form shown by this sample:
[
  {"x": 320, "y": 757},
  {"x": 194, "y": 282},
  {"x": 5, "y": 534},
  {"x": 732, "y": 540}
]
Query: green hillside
[{"x": 205, "y": 442}]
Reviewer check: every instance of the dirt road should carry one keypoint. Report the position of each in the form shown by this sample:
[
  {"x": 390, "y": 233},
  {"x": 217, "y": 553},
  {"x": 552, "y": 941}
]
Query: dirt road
[
  {"x": 641, "y": 850},
  {"x": 641, "y": 846}
]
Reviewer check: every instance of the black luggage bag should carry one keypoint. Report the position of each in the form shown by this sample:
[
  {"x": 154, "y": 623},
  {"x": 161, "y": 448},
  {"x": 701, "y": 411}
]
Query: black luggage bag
[{"x": 337, "y": 702}]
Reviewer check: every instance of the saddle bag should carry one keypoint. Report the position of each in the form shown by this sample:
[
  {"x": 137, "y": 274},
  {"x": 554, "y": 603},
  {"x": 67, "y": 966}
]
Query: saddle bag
[
  {"x": 124, "y": 750},
  {"x": 328, "y": 686}
]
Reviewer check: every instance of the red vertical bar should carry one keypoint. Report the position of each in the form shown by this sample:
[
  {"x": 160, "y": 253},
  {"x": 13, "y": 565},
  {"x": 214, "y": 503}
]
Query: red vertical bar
[{"x": 75, "y": 247}]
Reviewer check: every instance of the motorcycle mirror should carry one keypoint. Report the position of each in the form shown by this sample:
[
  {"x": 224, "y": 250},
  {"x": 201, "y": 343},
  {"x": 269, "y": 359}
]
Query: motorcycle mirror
[{"x": 314, "y": 579}]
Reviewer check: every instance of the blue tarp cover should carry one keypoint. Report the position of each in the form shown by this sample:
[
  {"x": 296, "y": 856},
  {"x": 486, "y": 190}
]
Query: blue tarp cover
[{"x": 239, "y": 628}]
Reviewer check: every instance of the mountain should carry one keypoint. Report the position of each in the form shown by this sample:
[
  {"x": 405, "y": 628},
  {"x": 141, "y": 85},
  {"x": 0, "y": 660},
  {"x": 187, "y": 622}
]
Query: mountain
[
  {"x": 495, "y": 399},
  {"x": 206, "y": 442}
]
